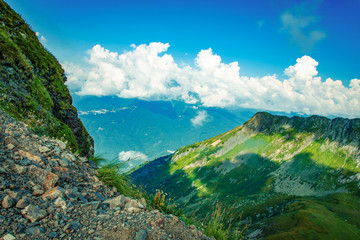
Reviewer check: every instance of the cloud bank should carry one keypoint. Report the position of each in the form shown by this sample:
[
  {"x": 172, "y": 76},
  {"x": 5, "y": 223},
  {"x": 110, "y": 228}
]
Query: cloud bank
[{"x": 148, "y": 73}]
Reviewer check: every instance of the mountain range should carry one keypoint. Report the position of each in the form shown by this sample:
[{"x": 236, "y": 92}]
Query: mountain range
[{"x": 291, "y": 177}]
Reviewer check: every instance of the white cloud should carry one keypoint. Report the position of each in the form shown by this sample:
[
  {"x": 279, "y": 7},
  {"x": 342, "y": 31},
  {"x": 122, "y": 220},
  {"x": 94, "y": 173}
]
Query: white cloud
[
  {"x": 41, "y": 38},
  {"x": 148, "y": 73},
  {"x": 94, "y": 112},
  {"x": 299, "y": 23},
  {"x": 199, "y": 120},
  {"x": 131, "y": 155}
]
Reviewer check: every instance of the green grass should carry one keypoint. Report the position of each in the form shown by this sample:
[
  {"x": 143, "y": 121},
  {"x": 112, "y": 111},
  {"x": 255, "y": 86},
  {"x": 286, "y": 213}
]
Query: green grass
[
  {"x": 219, "y": 222},
  {"x": 332, "y": 217}
]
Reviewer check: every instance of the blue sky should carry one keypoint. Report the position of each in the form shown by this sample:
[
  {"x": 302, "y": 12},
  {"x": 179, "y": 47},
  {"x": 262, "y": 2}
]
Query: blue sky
[{"x": 263, "y": 37}]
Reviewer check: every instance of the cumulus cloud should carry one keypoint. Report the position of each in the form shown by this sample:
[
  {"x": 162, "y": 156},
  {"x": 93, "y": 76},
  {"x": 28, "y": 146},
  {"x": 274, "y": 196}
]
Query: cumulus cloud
[
  {"x": 148, "y": 73},
  {"x": 299, "y": 24},
  {"x": 41, "y": 38},
  {"x": 200, "y": 118}
]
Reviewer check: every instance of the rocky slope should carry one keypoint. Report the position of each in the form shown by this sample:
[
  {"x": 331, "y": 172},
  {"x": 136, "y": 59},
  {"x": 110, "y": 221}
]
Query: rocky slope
[
  {"x": 47, "y": 192},
  {"x": 265, "y": 166},
  {"x": 32, "y": 85}
]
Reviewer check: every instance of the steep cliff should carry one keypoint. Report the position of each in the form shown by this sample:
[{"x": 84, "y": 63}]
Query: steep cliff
[{"x": 32, "y": 85}]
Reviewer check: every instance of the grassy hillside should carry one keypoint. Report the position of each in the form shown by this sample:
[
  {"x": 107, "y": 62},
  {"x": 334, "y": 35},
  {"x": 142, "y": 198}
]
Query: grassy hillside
[
  {"x": 267, "y": 167},
  {"x": 32, "y": 85}
]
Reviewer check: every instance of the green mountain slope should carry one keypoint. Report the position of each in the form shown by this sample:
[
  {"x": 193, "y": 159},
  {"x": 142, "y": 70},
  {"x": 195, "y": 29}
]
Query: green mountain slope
[
  {"x": 271, "y": 167},
  {"x": 32, "y": 85}
]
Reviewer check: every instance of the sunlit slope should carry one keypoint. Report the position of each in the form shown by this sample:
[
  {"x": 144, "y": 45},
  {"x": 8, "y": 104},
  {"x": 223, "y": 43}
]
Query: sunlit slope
[{"x": 268, "y": 154}]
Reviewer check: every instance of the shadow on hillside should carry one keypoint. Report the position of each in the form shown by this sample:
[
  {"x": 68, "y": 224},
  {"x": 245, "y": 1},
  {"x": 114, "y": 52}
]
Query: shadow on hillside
[{"x": 248, "y": 175}]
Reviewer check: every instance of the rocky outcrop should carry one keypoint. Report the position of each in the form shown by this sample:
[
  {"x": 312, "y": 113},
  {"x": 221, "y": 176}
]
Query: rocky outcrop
[
  {"x": 32, "y": 85},
  {"x": 47, "y": 192}
]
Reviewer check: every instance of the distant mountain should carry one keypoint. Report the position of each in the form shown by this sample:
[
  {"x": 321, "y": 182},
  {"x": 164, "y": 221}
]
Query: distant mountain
[
  {"x": 135, "y": 128},
  {"x": 292, "y": 177},
  {"x": 32, "y": 85}
]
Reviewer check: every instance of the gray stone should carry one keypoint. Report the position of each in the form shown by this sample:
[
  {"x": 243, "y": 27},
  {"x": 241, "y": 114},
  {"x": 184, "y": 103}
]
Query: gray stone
[
  {"x": 132, "y": 204},
  {"x": 33, "y": 213},
  {"x": 37, "y": 191},
  {"x": 118, "y": 201},
  {"x": 61, "y": 144},
  {"x": 10, "y": 140},
  {"x": 53, "y": 235},
  {"x": 25, "y": 162},
  {"x": 63, "y": 162},
  {"x": 141, "y": 235},
  {"x": 35, "y": 231},
  {"x": 8, "y": 237},
  {"x": 10, "y": 146},
  {"x": 90, "y": 206},
  {"x": 7, "y": 202},
  {"x": 50, "y": 209},
  {"x": 72, "y": 226},
  {"x": 44, "y": 149},
  {"x": 60, "y": 202},
  {"x": 70, "y": 157},
  {"x": 22, "y": 203},
  {"x": 20, "y": 169}
]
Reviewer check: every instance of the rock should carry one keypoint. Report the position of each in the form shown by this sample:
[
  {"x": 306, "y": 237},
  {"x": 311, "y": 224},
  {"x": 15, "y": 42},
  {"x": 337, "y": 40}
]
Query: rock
[
  {"x": 22, "y": 203},
  {"x": 61, "y": 144},
  {"x": 118, "y": 201},
  {"x": 158, "y": 223},
  {"x": 70, "y": 157},
  {"x": 35, "y": 231},
  {"x": 7, "y": 202},
  {"x": 37, "y": 191},
  {"x": 63, "y": 162},
  {"x": 92, "y": 164},
  {"x": 33, "y": 213},
  {"x": 83, "y": 159},
  {"x": 142, "y": 203},
  {"x": 90, "y": 206},
  {"x": 132, "y": 204},
  {"x": 141, "y": 235},
  {"x": 25, "y": 162},
  {"x": 72, "y": 226},
  {"x": 60, "y": 202},
  {"x": 50, "y": 210},
  {"x": 53, "y": 193},
  {"x": 8, "y": 237},
  {"x": 31, "y": 157},
  {"x": 45, "y": 178},
  {"x": 10, "y": 146},
  {"x": 20, "y": 169},
  {"x": 43, "y": 149},
  {"x": 53, "y": 235}
]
